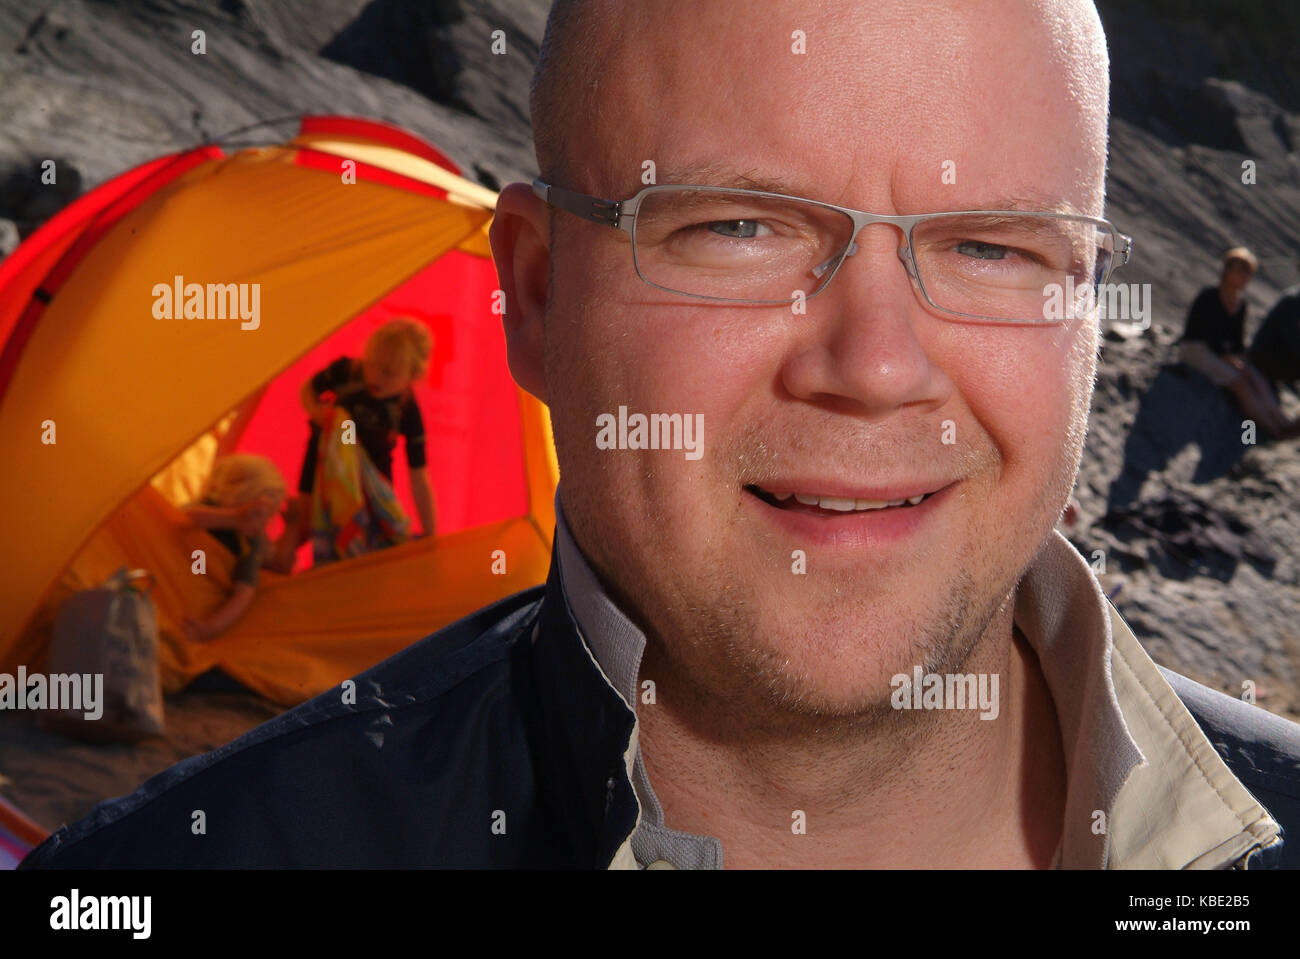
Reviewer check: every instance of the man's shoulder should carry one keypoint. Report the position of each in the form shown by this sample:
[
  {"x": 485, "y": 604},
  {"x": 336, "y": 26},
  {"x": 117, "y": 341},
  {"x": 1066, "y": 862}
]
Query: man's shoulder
[
  {"x": 345, "y": 779},
  {"x": 1259, "y": 738},
  {"x": 1261, "y": 748}
]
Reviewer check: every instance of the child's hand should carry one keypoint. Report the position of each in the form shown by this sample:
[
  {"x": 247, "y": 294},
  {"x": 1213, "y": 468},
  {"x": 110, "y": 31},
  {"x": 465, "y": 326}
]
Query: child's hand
[
  {"x": 246, "y": 517},
  {"x": 251, "y": 517}
]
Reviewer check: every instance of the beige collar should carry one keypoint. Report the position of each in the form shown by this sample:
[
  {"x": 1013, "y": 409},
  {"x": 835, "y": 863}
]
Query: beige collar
[
  {"x": 1183, "y": 808},
  {"x": 1146, "y": 788}
]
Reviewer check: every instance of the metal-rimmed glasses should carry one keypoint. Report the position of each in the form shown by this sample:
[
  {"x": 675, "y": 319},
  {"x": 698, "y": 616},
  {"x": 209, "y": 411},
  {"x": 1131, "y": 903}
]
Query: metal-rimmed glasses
[{"x": 751, "y": 246}]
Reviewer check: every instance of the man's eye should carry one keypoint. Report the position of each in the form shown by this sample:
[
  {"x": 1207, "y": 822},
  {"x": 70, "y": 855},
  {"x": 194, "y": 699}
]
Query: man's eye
[
  {"x": 737, "y": 229},
  {"x": 983, "y": 251}
]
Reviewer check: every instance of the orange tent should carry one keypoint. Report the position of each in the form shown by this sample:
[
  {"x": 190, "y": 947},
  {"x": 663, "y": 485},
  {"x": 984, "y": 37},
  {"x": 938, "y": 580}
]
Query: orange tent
[{"x": 111, "y": 413}]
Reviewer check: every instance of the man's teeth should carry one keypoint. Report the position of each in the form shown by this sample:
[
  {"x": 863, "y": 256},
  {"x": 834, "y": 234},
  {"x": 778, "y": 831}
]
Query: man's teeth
[{"x": 844, "y": 505}]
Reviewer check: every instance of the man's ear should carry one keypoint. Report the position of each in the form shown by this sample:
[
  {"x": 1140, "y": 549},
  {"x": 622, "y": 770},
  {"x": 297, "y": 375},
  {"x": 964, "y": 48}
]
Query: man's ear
[{"x": 520, "y": 238}]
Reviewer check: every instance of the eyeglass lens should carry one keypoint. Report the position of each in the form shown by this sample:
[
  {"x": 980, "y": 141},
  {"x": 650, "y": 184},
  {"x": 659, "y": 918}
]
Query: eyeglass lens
[{"x": 767, "y": 249}]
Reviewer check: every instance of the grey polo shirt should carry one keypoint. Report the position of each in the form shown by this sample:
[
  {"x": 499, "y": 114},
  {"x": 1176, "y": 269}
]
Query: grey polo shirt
[{"x": 1060, "y": 610}]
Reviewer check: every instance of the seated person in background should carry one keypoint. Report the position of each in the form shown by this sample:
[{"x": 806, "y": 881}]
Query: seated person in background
[
  {"x": 1275, "y": 350},
  {"x": 1212, "y": 344},
  {"x": 239, "y": 499},
  {"x": 376, "y": 390}
]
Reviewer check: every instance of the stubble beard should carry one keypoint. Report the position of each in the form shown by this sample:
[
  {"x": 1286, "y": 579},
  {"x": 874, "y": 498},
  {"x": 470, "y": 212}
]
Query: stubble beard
[{"x": 719, "y": 668}]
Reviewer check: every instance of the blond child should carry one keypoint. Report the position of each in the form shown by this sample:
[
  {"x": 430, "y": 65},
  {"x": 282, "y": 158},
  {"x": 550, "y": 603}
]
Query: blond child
[
  {"x": 240, "y": 497},
  {"x": 376, "y": 390}
]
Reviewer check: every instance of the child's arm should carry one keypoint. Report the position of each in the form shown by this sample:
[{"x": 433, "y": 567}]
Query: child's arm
[
  {"x": 422, "y": 493},
  {"x": 247, "y": 517},
  {"x": 213, "y": 517},
  {"x": 227, "y": 615},
  {"x": 283, "y": 553}
]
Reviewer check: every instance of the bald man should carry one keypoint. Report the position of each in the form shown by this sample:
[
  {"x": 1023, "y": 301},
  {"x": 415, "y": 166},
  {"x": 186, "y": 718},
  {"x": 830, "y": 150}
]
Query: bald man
[{"x": 807, "y": 607}]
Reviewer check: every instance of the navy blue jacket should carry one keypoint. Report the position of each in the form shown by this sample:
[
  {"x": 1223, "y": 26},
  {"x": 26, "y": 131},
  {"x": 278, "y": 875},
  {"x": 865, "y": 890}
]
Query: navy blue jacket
[{"x": 501, "y": 719}]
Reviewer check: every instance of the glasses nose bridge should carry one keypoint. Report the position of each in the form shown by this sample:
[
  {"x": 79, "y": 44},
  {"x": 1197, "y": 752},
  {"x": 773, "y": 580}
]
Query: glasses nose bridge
[{"x": 902, "y": 224}]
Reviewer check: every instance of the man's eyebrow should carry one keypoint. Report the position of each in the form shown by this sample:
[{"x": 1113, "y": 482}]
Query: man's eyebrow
[
  {"x": 714, "y": 174},
  {"x": 1035, "y": 202}
]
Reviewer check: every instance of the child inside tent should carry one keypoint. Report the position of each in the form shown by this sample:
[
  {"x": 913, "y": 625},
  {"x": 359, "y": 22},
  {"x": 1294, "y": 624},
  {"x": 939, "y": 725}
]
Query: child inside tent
[
  {"x": 240, "y": 497},
  {"x": 373, "y": 397}
]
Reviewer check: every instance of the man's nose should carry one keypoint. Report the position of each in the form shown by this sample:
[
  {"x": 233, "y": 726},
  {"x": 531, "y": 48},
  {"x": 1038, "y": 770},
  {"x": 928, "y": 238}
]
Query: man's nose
[{"x": 860, "y": 351}]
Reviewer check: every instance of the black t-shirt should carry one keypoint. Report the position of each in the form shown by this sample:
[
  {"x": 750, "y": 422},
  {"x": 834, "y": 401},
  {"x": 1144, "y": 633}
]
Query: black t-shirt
[
  {"x": 378, "y": 421},
  {"x": 1210, "y": 323}
]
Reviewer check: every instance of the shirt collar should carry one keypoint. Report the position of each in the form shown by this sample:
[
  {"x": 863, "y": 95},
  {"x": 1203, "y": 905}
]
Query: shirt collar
[
  {"x": 1065, "y": 618},
  {"x": 615, "y": 641},
  {"x": 617, "y": 644}
]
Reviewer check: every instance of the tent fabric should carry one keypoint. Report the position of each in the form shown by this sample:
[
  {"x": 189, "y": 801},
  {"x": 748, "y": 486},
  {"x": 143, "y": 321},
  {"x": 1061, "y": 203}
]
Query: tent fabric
[
  {"x": 22, "y": 271},
  {"x": 133, "y": 398},
  {"x": 51, "y": 249}
]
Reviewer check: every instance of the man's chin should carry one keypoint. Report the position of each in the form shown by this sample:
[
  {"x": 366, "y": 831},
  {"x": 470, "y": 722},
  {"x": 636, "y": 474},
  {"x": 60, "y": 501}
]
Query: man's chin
[
  {"x": 839, "y": 680},
  {"x": 836, "y": 654}
]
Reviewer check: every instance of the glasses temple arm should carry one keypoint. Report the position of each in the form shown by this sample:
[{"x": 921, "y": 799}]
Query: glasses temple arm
[
  {"x": 579, "y": 204},
  {"x": 1127, "y": 249}
]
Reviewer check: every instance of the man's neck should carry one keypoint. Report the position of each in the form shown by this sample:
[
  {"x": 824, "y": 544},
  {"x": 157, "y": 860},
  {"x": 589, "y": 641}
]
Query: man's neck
[{"x": 943, "y": 789}]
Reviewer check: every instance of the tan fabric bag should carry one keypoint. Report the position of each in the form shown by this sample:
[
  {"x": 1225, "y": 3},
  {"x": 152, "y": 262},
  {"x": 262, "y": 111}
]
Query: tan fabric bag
[{"x": 111, "y": 632}]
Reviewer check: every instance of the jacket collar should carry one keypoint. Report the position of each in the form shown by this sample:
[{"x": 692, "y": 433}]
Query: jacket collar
[{"x": 586, "y": 736}]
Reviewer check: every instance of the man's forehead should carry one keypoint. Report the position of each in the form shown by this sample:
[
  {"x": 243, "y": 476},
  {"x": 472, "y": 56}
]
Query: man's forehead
[{"x": 804, "y": 98}]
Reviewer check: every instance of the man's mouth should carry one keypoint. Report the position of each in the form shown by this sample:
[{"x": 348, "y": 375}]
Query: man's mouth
[{"x": 826, "y": 505}]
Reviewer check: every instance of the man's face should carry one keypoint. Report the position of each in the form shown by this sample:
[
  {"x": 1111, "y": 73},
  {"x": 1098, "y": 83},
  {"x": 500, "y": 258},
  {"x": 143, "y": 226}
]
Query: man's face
[{"x": 871, "y": 392}]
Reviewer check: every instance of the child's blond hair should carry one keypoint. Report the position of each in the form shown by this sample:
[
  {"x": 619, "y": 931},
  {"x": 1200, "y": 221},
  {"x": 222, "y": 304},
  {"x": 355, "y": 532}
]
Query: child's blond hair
[
  {"x": 1240, "y": 254},
  {"x": 405, "y": 341},
  {"x": 240, "y": 478}
]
